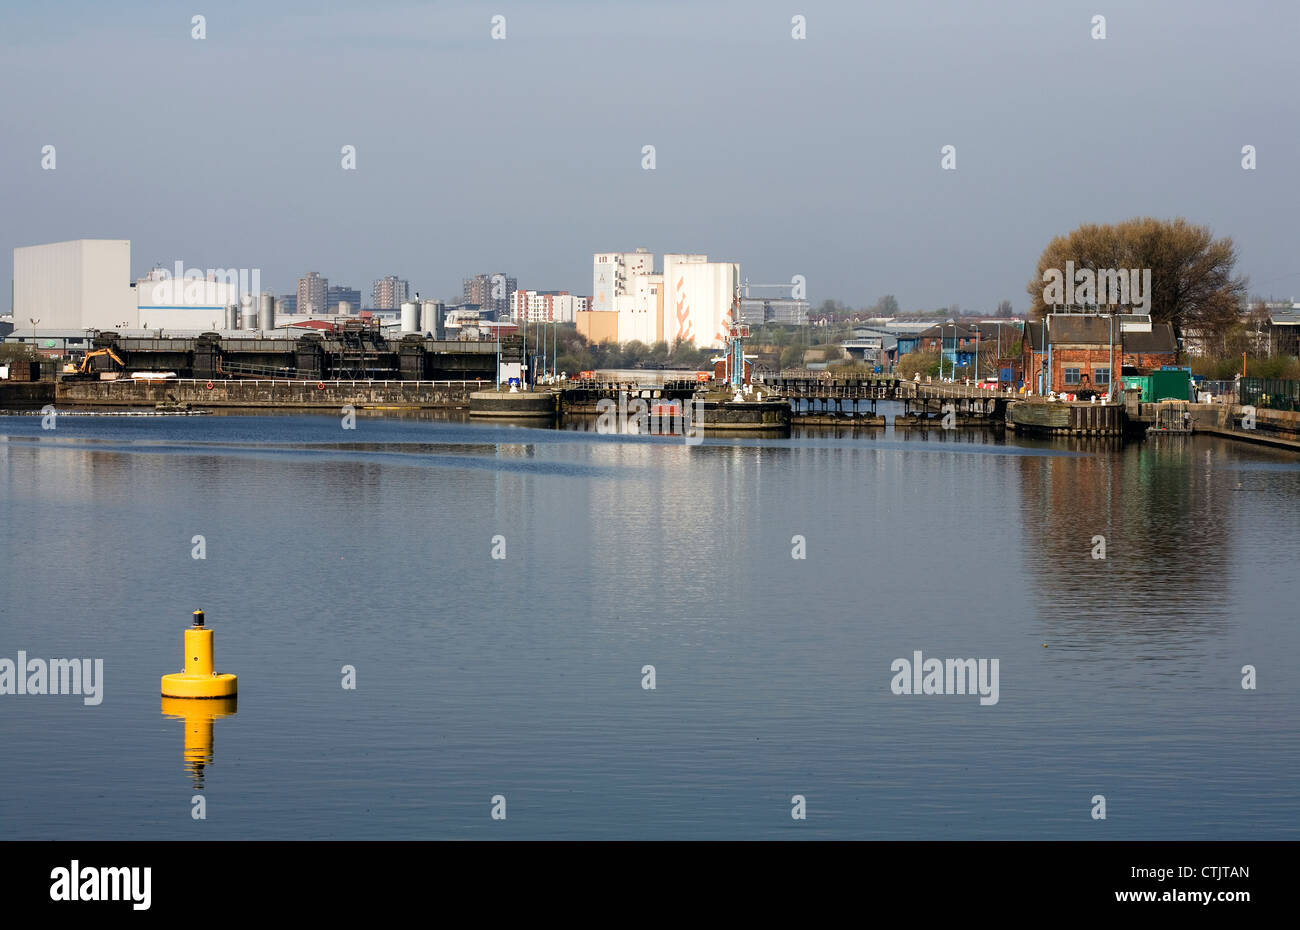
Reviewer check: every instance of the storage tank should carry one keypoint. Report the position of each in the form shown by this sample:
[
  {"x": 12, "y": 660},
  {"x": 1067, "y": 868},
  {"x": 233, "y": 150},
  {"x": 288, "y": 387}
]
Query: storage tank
[
  {"x": 247, "y": 312},
  {"x": 266, "y": 312},
  {"x": 410, "y": 317},
  {"x": 345, "y": 308},
  {"x": 431, "y": 316},
  {"x": 232, "y": 316}
]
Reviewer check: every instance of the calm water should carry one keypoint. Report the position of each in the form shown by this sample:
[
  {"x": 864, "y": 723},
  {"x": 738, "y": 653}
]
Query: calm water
[{"x": 522, "y": 676}]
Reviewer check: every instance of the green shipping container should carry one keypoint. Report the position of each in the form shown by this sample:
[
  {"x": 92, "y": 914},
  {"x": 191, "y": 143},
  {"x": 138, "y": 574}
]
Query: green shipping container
[
  {"x": 1170, "y": 384},
  {"x": 1142, "y": 383}
]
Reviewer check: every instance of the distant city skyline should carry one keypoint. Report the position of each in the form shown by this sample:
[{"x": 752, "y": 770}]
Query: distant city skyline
[{"x": 820, "y": 157}]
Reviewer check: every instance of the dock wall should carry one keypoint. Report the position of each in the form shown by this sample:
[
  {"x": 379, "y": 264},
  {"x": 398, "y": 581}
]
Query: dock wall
[
  {"x": 279, "y": 394},
  {"x": 15, "y": 394}
]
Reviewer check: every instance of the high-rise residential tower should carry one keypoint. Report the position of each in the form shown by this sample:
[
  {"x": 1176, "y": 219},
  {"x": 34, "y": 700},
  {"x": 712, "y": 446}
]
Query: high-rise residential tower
[
  {"x": 492, "y": 292},
  {"x": 389, "y": 293},
  {"x": 312, "y": 293}
]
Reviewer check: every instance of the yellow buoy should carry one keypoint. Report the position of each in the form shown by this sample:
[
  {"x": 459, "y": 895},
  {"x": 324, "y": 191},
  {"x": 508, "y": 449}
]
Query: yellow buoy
[{"x": 198, "y": 680}]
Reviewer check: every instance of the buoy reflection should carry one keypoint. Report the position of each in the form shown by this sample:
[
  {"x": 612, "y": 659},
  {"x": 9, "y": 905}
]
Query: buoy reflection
[{"x": 198, "y": 717}]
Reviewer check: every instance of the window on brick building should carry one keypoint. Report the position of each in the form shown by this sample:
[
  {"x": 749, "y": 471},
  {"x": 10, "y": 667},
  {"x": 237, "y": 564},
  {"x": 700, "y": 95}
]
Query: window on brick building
[
  {"x": 1101, "y": 376},
  {"x": 1071, "y": 376}
]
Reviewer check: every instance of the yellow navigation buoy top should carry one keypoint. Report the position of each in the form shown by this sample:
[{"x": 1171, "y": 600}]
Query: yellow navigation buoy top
[{"x": 198, "y": 680}]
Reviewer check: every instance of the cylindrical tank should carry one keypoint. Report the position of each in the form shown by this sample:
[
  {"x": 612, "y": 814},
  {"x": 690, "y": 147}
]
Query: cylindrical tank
[
  {"x": 266, "y": 311},
  {"x": 345, "y": 308},
  {"x": 410, "y": 317},
  {"x": 247, "y": 312},
  {"x": 232, "y": 316},
  {"x": 430, "y": 314}
]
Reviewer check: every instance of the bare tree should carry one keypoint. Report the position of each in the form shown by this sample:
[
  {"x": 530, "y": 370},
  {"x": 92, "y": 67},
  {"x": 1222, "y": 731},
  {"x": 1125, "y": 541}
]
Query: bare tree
[{"x": 1192, "y": 282}]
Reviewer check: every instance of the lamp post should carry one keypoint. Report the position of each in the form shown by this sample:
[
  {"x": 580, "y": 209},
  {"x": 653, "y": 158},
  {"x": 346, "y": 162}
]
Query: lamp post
[
  {"x": 941, "y": 351},
  {"x": 1050, "y": 370},
  {"x": 1042, "y": 356},
  {"x": 1110, "y": 376}
]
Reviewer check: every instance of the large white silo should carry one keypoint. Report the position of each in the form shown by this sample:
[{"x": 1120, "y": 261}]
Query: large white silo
[
  {"x": 266, "y": 311},
  {"x": 247, "y": 312},
  {"x": 410, "y": 317},
  {"x": 430, "y": 313}
]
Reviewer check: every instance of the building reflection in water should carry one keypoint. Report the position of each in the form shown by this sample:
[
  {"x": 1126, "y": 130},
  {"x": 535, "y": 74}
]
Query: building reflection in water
[{"x": 1164, "y": 581}]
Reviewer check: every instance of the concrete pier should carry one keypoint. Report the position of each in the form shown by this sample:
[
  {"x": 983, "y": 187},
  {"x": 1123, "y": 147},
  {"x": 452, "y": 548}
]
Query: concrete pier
[
  {"x": 1062, "y": 418},
  {"x": 540, "y": 405},
  {"x": 715, "y": 413}
]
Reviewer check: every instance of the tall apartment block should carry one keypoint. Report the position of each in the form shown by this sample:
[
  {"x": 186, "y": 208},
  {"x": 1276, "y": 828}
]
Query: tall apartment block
[
  {"x": 492, "y": 292},
  {"x": 389, "y": 292},
  {"x": 312, "y": 292}
]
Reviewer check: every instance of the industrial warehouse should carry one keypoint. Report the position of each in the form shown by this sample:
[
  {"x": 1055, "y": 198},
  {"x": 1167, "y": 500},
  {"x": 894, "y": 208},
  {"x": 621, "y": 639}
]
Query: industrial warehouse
[
  {"x": 353, "y": 350},
  {"x": 217, "y": 325},
  {"x": 85, "y": 284}
]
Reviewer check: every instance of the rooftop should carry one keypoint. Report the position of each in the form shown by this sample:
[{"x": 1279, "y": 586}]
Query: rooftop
[{"x": 1077, "y": 329}]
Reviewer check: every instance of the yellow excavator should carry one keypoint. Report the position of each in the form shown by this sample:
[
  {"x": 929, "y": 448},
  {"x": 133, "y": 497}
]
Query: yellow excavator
[{"x": 83, "y": 371}]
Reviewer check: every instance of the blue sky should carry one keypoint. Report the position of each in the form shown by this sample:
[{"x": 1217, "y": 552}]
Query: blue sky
[{"x": 818, "y": 157}]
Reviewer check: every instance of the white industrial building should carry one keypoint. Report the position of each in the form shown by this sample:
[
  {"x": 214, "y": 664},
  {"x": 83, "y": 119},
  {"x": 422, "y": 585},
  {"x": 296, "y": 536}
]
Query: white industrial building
[
  {"x": 641, "y": 314},
  {"x": 613, "y": 273},
  {"x": 77, "y": 285},
  {"x": 690, "y": 301},
  {"x": 698, "y": 296},
  {"x": 86, "y": 284},
  {"x": 170, "y": 303}
]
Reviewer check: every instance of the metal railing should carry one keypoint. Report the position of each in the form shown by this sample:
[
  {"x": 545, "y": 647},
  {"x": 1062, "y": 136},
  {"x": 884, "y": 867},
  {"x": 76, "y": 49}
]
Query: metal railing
[
  {"x": 1273, "y": 393},
  {"x": 1217, "y": 388}
]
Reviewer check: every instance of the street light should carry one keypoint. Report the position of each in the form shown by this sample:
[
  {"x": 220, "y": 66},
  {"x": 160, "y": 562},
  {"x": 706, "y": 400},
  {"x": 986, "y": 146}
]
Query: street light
[
  {"x": 1110, "y": 374},
  {"x": 954, "y": 351},
  {"x": 956, "y": 346}
]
